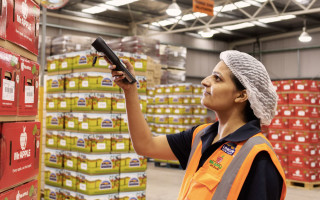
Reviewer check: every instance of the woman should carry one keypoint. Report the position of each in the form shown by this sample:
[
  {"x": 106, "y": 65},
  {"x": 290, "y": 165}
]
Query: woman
[{"x": 229, "y": 159}]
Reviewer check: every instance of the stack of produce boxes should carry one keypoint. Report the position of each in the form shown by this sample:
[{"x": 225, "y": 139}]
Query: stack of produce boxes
[
  {"x": 88, "y": 153},
  {"x": 19, "y": 84},
  {"x": 294, "y": 132},
  {"x": 174, "y": 108}
]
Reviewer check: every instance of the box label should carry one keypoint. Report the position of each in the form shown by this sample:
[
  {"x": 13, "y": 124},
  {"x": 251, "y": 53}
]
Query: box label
[
  {"x": 69, "y": 163},
  {"x": 29, "y": 94},
  {"x": 101, "y": 145},
  {"x": 102, "y": 104},
  {"x": 8, "y": 90}
]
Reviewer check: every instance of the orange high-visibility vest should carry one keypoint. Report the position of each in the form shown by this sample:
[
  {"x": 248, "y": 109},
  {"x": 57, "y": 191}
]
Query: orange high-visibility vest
[{"x": 223, "y": 174}]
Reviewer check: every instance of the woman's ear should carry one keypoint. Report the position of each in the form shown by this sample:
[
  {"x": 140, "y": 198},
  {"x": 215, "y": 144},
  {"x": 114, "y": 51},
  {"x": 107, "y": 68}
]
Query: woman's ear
[{"x": 242, "y": 96}]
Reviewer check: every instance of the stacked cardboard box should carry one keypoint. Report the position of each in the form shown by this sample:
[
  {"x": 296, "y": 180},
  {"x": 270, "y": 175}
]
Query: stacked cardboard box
[
  {"x": 154, "y": 72},
  {"x": 294, "y": 132},
  {"x": 19, "y": 73},
  {"x": 88, "y": 153},
  {"x": 174, "y": 108}
]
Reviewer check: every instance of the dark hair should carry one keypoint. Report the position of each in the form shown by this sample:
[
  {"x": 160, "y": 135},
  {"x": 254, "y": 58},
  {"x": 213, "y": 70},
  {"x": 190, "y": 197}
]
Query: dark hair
[{"x": 248, "y": 112}]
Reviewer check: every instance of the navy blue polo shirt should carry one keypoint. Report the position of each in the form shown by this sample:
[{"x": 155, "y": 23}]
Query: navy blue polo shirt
[{"x": 263, "y": 182}]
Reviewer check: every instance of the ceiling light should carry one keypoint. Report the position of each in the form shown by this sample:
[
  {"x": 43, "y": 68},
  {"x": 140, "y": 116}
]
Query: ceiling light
[
  {"x": 192, "y": 16},
  {"x": 276, "y": 19},
  {"x": 119, "y": 2},
  {"x": 238, "y": 26},
  {"x": 304, "y": 37},
  {"x": 94, "y": 10},
  {"x": 303, "y": 1},
  {"x": 173, "y": 9},
  {"x": 207, "y": 33}
]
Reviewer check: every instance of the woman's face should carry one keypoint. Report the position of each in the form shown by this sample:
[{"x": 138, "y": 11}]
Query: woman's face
[{"x": 220, "y": 92}]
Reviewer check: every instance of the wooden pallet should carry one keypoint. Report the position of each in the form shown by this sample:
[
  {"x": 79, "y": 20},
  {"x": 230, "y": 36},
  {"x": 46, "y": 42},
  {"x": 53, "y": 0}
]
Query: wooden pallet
[{"x": 303, "y": 184}]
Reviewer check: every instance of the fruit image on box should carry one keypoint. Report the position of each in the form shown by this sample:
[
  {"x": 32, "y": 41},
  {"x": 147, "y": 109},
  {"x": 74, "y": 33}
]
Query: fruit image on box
[
  {"x": 51, "y": 193},
  {"x": 80, "y": 142},
  {"x": 53, "y": 158},
  {"x": 83, "y": 59},
  {"x": 23, "y": 17},
  {"x": 69, "y": 180},
  {"x": 88, "y": 122},
  {"x": 3, "y": 19},
  {"x": 28, "y": 87},
  {"x": 138, "y": 195},
  {"x": 53, "y": 176},
  {"x": 20, "y": 157},
  {"x": 67, "y": 194},
  {"x": 98, "y": 184},
  {"x": 88, "y": 81},
  {"x": 120, "y": 142},
  {"x": 72, "y": 81},
  {"x": 101, "y": 102},
  {"x": 9, "y": 64},
  {"x": 107, "y": 123},
  {"x": 51, "y": 139},
  {"x": 55, "y": 121},
  {"x": 64, "y": 102},
  {"x": 118, "y": 103},
  {"x": 124, "y": 123},
  {"x": 64, "y": 140},
  {"x": 70, "y": 160},
  {"x": 53, "y": 63},
  {"x": 105, "y": 82},
  {"x": 98, "y": 197},
  {"x": 141, "y": 84},
  {"x": 55, "y": 83},
  {"x": 71, "y": 121},
  {"x": 81, "y": 102},
  {"x": 132, "y": 181},
  {"x": 66, "y": 62},
  {"x": 52, "y": 102},
  {"x": 132, "y": 162},
  {"x": 101, "y": 143},
  {"x": 27, "y": 191},
  {"x": 99, "y": 164}
]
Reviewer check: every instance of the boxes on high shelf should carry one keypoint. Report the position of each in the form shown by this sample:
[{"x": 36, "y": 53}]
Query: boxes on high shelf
[
  {"x": 83, "y": 59},
  {"x": 51, "y": 192},
  {"x": 23, "y": 192},
  {"x": 53, "y": 63},
  {"x": 301, "y": 174},
  {"x": 286, "y": 85},
  {"x": 132, "y": 181},
  {"x": 302, "y": 149},
  {"x": 55, "y": 121},
  {"x": 132, "y": 162},
  {"x": 28, "y": 87},
  {"x": 55, "y": 83},
  {"x": 20, "y": 157},
  {"x": 139, "y": 62},
  {"x": 299, "y": 98},
  {"x": 306, "y": 162},
  {"x": 64, "y": 102},
  {"x": 23, "y": 17},
  {"x": 9, "y": 65},
  {"x": 101, "y": 101},
  {"x": 80, "y": 142},
  {"x": 70, "y": 160},
  {"x": 283, "y": 99},
  {"x": 81, "y": 101},
  {"x": 52, "y": 102},
  {"x": 72, "y": 81},
  {"x": 53, "y": 158},
  {"x": 279, "y": 123},
  {"x": 120, "y": 143},
  {"x": 53, "y": 176},
  {"x": 101, "y": 143},
  {"x": 69, "y": 180}
]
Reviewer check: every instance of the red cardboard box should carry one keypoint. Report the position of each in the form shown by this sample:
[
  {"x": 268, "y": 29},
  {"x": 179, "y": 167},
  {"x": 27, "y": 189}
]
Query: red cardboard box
[
  {"x": 286, "y": 85},
  {"x": 278, "y": 112},
  {"x": 313, "y": 99},
  {"x": 28, "y": 87},
  {"x": 314, "y": 86},
  {"x": 314, "y": 112},
  {"x": 299, "y": 124},
  {"x": 313, "y": 124},
  {"x": 279, "y": 123},
  {"x": 23, "y": 17},
  {"x": 303, "y": 149},
  {"x": 27, "y": 191},
  {"x": 288, "y": 135},
  {"x": 279, "y": 147},
  {"x": 277, "y": 85},
  {"x": 3, "y": 19},
  {"x": 285, "y": 170},
  {"x": 301, "y": 111},
  {"x": 275, "y": 135},
  {"x": 283, "y": 158},
  {"x": 9, "y": 64},
  {"x": 287, "y": 111},
  {"x": 306, "y": 136},
  {"x": 283, "y": 99},
  {"x": 20, "y": 142},
  {"x": 308, "y": 162},
  {"x": 300, "y": 174},
  {"x": 299, "y": 98},
  {"x": 301, "y": 85}
]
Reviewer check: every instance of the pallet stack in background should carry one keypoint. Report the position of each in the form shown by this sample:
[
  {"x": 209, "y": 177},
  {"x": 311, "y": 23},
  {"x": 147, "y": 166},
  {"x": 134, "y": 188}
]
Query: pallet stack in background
[
  {"x": 19, "y": 85},
  {"x": 88, "y": 153},
  {"x": 294, "y": 132},
  {"x": 174, "y": 108}
]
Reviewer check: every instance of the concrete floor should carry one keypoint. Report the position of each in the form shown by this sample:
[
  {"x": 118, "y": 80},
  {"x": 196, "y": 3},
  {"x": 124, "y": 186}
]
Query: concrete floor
[{"x": 164, "y": 184}]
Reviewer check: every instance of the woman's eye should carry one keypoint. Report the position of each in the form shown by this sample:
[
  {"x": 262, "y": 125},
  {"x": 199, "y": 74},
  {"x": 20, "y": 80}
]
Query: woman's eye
[{"x": 217, "y": 78}]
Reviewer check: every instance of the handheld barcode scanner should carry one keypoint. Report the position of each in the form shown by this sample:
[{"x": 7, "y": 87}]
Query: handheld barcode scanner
[{"x": 100, "y": 45}]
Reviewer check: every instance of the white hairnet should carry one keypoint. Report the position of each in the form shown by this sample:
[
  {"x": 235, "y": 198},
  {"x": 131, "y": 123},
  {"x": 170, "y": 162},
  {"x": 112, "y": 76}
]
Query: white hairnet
[{"x": 254, "y": 77}]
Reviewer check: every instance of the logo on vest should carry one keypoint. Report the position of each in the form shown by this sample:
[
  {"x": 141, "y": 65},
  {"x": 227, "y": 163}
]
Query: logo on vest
[
  {"x": 216, "y": 163},
  {"x": 229, "y": 148}
]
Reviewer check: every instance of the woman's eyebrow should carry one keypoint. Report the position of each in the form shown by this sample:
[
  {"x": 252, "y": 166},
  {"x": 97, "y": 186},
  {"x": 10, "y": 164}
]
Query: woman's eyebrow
[{"x": 217, "y": 73}]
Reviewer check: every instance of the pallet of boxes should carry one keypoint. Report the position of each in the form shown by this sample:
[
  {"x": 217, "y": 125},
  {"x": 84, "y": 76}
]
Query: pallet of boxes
[
  {"x": 153, "y": 72},
  {"x": 88, "y": 153},
  {"x": 19, "y": 84},
  {"x": 294, "y": 132}
]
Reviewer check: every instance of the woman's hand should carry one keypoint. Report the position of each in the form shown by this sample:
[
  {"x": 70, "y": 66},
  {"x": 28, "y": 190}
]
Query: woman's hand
[{"x": 119, "y": 78}]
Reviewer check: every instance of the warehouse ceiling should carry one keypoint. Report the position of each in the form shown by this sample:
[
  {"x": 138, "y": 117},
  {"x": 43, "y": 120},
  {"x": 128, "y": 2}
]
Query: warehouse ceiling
[{"x": 233, "y": 20}]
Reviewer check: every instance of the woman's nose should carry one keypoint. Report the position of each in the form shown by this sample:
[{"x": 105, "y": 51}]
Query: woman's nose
[{"x": 205, "y": 82}]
